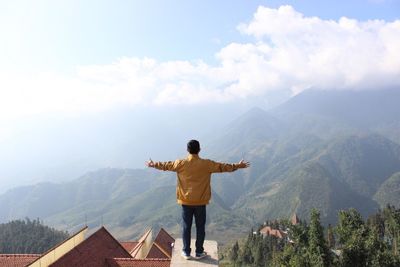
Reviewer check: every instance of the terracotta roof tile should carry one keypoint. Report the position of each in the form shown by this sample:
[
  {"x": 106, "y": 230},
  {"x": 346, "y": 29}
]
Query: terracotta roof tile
[
  {"x": 156, "y": 253},
  {"x": 267, "y": 230},
  {"x": 164, "y": 241},
  {"x": 129, "y": 245},
  {"x": 124, "y": 262},
  {"x": 93, "y": 251},
  {"x": 82, "y": 231},
  {"x": 17, "y": 260}
]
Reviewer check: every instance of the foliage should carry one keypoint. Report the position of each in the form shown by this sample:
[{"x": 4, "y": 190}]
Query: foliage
[
  {"x": 373, "y": 242},
  {"x": 318, "y": 252},
  {"x": 28, "y": 236}
]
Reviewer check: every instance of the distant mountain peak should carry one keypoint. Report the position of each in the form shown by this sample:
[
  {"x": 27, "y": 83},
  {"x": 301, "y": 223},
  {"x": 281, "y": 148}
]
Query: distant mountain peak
[{"x": 362, "y": 108}]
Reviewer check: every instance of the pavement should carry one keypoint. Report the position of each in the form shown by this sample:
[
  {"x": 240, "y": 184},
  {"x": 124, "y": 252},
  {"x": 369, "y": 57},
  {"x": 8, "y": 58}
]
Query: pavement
[{"x": 210, "y": 246}]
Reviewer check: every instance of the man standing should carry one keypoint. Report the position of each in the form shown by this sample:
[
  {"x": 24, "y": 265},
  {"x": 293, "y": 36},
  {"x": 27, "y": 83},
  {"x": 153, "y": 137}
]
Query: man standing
[{"x": 193, "y": 191}]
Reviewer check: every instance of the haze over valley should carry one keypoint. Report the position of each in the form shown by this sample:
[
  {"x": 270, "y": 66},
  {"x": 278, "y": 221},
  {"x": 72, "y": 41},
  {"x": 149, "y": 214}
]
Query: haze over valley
[
  {"x": 309, "y": 93},
  {"x": 308, "y": 152}
]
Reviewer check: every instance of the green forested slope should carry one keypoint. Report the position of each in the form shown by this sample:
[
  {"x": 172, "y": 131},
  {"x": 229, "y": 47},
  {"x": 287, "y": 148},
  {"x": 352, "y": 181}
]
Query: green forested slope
[
  {"x": 27, "y": 236},
  {"x": 389, "y": 192}
]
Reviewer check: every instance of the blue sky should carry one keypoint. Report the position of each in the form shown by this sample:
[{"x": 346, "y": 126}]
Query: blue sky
[{"x": 49, "y": 35}]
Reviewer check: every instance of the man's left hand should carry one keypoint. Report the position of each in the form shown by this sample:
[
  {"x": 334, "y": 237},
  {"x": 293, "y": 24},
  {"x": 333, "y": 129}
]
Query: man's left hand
[{"x": 243, "y": 164}]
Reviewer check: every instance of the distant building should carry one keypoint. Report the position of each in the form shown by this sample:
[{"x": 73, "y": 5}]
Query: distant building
[
  {"x": 295, "y": 220},
  {"x": 17, "y": 260},
  {"x": 268, "y": 230},
  {"x": 99, "y": 249}
]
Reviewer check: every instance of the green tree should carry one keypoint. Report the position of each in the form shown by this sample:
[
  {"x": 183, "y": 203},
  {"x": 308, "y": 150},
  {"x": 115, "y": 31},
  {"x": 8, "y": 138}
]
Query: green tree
[
  {"x": 259, "y": 258},
  {"x": 378, "y": 253},
  {"x": 317, "y": 250},
  {"x": 246, "y": 257},
  {"x": 349, "y": 222},
  {"x": 291, "y": 256},
  {"x": 299, "y": 234},
  {"x": 28, "y": 236},
  {"x": 352, "y": 234},
  {"x": 331, "y": 242},
  {"x": 392, "y": 228},
  {"x": 234, "y": 253}
]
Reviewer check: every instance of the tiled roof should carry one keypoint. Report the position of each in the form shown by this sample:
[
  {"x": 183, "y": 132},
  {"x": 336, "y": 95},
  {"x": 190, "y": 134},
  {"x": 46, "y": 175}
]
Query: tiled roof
[
  {"x": 156, "y": 253},
  {"x": 141, "y": 242},
  {"x": 164, "y": 241},
  {"x": 267, "y": 230},
  {"x": 129, "y": 245},
  {"x": 93, "y": 251},
  {"x": 75, "y": 239},
  {"x": 17, "y": 260},
  {"x": 124, "y": 262}
]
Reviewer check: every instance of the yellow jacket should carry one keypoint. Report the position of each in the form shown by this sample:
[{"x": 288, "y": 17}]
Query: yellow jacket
[{"x": 194, "y": 173}]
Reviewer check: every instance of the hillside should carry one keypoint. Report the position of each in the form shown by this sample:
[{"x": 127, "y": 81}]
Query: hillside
[
  {"x": 28, "y": 237},
  {"x": 127, "y": 201},
  {"x": 307, "y": 153},
  {"x": 389, "y": 191}
]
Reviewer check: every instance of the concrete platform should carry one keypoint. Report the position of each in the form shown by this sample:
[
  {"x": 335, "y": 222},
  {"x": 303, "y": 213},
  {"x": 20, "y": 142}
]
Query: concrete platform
[{"x": 210, "y": 246}]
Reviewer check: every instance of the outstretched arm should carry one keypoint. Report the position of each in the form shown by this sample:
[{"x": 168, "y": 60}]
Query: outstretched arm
[
  {"x": 228, "y": 167},
  {"x": 165, "y": 166}
]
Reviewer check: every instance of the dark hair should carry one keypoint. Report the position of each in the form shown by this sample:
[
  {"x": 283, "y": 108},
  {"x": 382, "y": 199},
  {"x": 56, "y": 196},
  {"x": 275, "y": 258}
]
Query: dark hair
[{"x": 193, "y": 147}]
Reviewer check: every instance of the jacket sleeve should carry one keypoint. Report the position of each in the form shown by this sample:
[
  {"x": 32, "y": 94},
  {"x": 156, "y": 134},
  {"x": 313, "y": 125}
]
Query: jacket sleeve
[
  {"x": 168, "y": 165},
  {"x": 223, "y": 167}
]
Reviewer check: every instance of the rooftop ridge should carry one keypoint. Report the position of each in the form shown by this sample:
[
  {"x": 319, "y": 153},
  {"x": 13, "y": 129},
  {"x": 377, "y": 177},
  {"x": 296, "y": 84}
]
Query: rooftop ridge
[
  {"x": 102, "y": 227},
  {"x": 60, "y": 244},
  {"x": 20, "y": 255},
  {"x": 126, "y": 243},
  {"x": 145, "y": 259},
  {"x": 141, "y": 243},
  {"x": 162, "y": 229},
  {"x": 160, "y": 248}
]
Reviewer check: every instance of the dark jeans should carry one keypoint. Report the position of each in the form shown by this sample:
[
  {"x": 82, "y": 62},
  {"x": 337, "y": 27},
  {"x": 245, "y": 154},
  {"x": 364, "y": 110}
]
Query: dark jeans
[{"x": 199, "y": 213}]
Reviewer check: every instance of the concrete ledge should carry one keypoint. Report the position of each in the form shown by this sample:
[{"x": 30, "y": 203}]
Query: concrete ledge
[{"x": 210, "y": 246}]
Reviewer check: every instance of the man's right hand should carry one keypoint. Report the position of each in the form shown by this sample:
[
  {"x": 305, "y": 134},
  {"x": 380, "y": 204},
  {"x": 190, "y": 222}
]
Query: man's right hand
[
  {"x": 243, "y": 164},
  {"x": 150, "y": 163}
]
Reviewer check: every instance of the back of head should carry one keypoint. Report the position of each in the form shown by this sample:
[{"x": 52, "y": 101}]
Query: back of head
[{"x": 193, "y": 147}]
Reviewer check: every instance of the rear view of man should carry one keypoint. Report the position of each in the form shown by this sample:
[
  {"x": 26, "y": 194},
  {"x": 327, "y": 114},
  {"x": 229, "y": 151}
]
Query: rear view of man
[{"x": 193, "y": 191}]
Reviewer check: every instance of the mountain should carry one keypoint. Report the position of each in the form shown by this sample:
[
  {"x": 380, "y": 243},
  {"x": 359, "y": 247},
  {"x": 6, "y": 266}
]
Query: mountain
[
  {"x": 329, "y": 113},
  {"x": 244, "y": 133},
  {"x": 127, "y": 201},
  {"x": 363, "y": 162},
  {"x": 363, "y": 108},
  {"x": 338, "y": 175},
  {"x": 389, "y": 191},
  {"x": 316, "y": 150},
  {"x": 56, "y": 148}
]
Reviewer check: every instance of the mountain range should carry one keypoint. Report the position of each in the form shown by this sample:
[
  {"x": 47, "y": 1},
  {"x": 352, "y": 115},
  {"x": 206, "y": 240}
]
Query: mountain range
[{"x": 329, "y": 150}]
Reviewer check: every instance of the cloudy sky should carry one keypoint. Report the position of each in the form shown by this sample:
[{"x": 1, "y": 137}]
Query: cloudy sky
[
  {"x": 95, "y": 83},
  {"x": 72, "y": 57}
]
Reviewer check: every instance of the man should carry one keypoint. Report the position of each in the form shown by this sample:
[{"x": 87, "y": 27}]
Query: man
[{"x": 193, "y": 191}]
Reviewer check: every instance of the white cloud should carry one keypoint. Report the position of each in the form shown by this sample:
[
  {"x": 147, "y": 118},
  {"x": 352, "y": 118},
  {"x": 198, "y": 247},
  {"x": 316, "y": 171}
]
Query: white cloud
[
  {"x": 310, "y": 52},
  {"x": 290, "y": 52}
]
